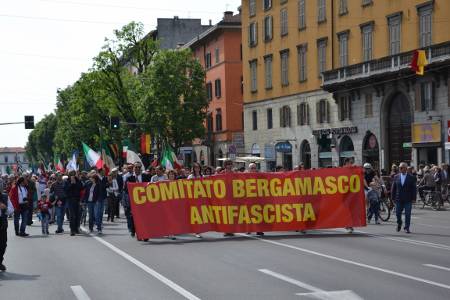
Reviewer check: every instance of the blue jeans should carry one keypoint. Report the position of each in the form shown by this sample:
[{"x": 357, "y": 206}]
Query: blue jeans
[
  {"x": 399, "y": 207},
  {"x": 45, "y": 218},
  {"x": 23, "y": 225},
  {"x": 99, "y": 211},
  {"x": 60, "y": 211},
  {"x": 90, "y": 208}
]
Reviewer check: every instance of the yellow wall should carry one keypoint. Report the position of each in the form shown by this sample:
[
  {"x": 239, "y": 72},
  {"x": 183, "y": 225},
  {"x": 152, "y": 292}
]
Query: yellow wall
[{"x": 357, "y": 14}]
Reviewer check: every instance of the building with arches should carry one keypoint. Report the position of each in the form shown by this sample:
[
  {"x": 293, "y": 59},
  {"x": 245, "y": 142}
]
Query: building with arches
[{"x": 333, "y": 80}]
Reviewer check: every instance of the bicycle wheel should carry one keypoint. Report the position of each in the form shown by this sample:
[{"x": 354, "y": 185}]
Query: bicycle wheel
[{"x": 385, "y": 212}]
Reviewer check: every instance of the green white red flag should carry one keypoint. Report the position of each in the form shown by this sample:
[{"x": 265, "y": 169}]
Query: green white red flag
[
  {"x": 92, "y": 157},
  {"x": 169, "y": 160}
]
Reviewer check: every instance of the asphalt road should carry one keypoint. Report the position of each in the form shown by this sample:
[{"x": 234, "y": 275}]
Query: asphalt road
[{"x": 375, "y": 262}]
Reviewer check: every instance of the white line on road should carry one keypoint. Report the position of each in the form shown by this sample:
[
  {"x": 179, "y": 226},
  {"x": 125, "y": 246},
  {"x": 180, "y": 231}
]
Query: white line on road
[
  {"x": 316, "y": 292},
  {"x": 351, "y": 262},
  {"x": 402, "y": 240},
  {"x": 291, "y": 280},
  {"x": 160, "y": 277},
  {"x": 79, "y": 292},
  {"x": 437, "y": 267}
]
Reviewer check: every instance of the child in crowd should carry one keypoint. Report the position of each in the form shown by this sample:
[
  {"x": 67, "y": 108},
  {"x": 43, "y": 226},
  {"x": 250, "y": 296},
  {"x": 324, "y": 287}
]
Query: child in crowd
[
  {"x": 373, "y": 198},
  {"x": 44, "y": 206}
]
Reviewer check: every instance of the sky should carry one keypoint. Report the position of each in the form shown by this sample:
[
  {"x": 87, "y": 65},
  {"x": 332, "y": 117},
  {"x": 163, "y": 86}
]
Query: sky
[{"x": 46, "y": 44}]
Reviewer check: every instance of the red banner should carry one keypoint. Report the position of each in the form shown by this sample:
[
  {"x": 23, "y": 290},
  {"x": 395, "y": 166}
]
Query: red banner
[{"x": 250, "y": 202}]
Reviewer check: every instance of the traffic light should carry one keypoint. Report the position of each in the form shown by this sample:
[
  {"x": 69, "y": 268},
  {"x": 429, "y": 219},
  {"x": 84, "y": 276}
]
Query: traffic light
[
  {"x": 29, "y": 122},
  {"x": 115, "y": 122}
]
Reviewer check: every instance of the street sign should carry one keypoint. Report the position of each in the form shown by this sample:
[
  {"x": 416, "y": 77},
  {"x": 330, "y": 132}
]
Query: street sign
[
  {"x": 407, "y": 145},
  {"x": 283, "y": 147}
]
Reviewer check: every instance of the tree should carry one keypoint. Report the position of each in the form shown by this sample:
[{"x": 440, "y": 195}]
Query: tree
[
  {"x": 174, "y": 101},
  {"x": 40, "y": 141}
]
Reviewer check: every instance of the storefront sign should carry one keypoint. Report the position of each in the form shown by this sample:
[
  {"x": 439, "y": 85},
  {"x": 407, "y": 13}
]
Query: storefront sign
[
  {"x": 238, "y": 140},
  {"x": 407, "y": 145},
  {"x": 426, "y": 132},
  {"x": 283, "y": 147},
  {"x": 448, "y": 131},
  {"x": 341, "y": 130}
]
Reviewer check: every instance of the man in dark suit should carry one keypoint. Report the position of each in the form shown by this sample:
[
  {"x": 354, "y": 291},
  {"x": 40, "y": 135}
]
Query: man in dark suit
[
  {"x": 404, "y": 193},
  {"x": 137, "y": 176}
]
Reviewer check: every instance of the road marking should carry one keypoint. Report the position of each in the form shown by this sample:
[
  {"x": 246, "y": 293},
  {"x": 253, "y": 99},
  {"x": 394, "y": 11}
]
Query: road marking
[
  {"x": 351, "y": 262},
  {"x": 437, "y": 267},
  {"x": 434, "y": 226},
  {"x": 316, "y": 292},
  {"x": 402, "y": 240},
  {"x": 146, "y": 269},
  {"x": 79, "y": 292}
]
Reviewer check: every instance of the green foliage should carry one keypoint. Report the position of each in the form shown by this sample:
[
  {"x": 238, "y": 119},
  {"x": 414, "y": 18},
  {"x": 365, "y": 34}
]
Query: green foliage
[{"x": 161, "y": 92}]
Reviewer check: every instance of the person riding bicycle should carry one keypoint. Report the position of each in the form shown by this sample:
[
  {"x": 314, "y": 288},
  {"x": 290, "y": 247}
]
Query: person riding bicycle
[{"x": 427, "y": 183}]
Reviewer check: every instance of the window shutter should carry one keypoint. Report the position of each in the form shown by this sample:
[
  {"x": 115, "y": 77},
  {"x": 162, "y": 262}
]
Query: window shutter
[
  {"x": 418, "y": 102},
  {"x": 350, "y": 108},
  {"x": 250, "y": 35},
  {"x": 328, "y": 111},
  {"x": 281, "y": 118},
  {"x": 433, "y": 95},
  {"x": 318, "y": 112},
  {"x": 256, "y": 33},
  {"x": 288, "y": 113},
  {"x": 307, "y": 121},
  {"x": 299, "y": 115}
]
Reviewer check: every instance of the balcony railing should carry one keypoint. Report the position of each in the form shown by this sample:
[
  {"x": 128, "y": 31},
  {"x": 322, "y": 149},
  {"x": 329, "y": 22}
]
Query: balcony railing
[{"x": 393, "y": 63}]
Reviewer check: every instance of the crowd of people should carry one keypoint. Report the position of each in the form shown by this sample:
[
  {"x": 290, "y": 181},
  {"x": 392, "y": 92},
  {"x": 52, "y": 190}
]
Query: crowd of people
[{"x": 88, "y": 196}]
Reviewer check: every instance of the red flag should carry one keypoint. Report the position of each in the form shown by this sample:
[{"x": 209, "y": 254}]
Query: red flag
[{"x": 145, "y": 143}]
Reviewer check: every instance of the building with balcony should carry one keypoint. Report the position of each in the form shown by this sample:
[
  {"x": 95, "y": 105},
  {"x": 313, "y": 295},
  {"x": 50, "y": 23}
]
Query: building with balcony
[
  {"x": 218, "y": 49},
  {"x": 308, "y": 95},
  {"x": 400, "y": 116},
  {"x": 13, "y": 158}
]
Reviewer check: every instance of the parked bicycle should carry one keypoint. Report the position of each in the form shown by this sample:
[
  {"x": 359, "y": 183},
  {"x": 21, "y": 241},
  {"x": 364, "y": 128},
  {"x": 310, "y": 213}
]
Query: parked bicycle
[{"x": 432, "y": 199}]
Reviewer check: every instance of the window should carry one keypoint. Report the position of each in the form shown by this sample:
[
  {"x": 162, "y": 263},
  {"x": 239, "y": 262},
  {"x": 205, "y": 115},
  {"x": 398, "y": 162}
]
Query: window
[
  {"x": 254, "y": 120},
  {"x": 253, "y": 34},
  {"x": 343, "y": 48},
  {"x": 218, "y": 119},
  {"x": 208, "y": 60},
  {"x": 369, "y": 106},
  {"x": 321, "y": 11},
  {"x": 268, "y": 71},
  {"x": 269, "y": 119},
  {"x": 302, "y": 114},
  {"x": 425, "y": 25},
  {"x": 366, "y": 2},
  {"x": 322, "y": 111},
  {"x": 427, "y": 96},
  {"x": 268, "y": 28},
  {"x": 284, "y": 21},
  {"x": 218, "y": 88},
  {"x": 267, "y": 4},
  {"x": 366, "y": 31},
  {"x": 284, "y": 67},
  {"x": 209, "y": 122},
  {"x": 217, "y": 55},
  {"x": 343, "y": 7},
  {"x": 253, "y": 77},
  {"x": 302, "y": 75},
  {"x": 344, "y": 108},
  {"x": 209, "y": 91},
  {"x": 301, "y": 14},
  {"x": 252, "y": 8},
  {"x": 322, "y": 55},
  {"x": 6, "y": 158},
  {"x": 285, "y": 116},
  {"x": 394, "y": 23}
]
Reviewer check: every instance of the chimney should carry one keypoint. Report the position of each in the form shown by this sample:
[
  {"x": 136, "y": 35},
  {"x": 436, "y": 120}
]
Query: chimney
[
  {"x": 175, "y": 17},
  {"x": 210, "y": 22},
  {"x": 227, "y": 15}
]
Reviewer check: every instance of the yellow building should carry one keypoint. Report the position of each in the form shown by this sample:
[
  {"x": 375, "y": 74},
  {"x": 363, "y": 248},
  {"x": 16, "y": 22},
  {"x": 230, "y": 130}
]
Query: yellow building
[{"x": 295, "y": 52}]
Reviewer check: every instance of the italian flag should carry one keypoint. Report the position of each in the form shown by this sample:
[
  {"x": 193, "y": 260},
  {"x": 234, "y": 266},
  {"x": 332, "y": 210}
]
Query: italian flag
[
  {"x": 169, "y": 159},
  {"x": 58, "y": 164},
  {"x": 108, "y": 162},
  {"x": 92, "y": 157}
]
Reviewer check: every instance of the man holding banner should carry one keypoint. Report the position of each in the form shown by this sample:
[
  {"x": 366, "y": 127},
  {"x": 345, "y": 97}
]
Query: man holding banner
[{"x": 250, "y": 202}]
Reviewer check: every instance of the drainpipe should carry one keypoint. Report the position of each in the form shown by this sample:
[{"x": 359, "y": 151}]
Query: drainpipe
[{"x": 332, "y": 34}]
